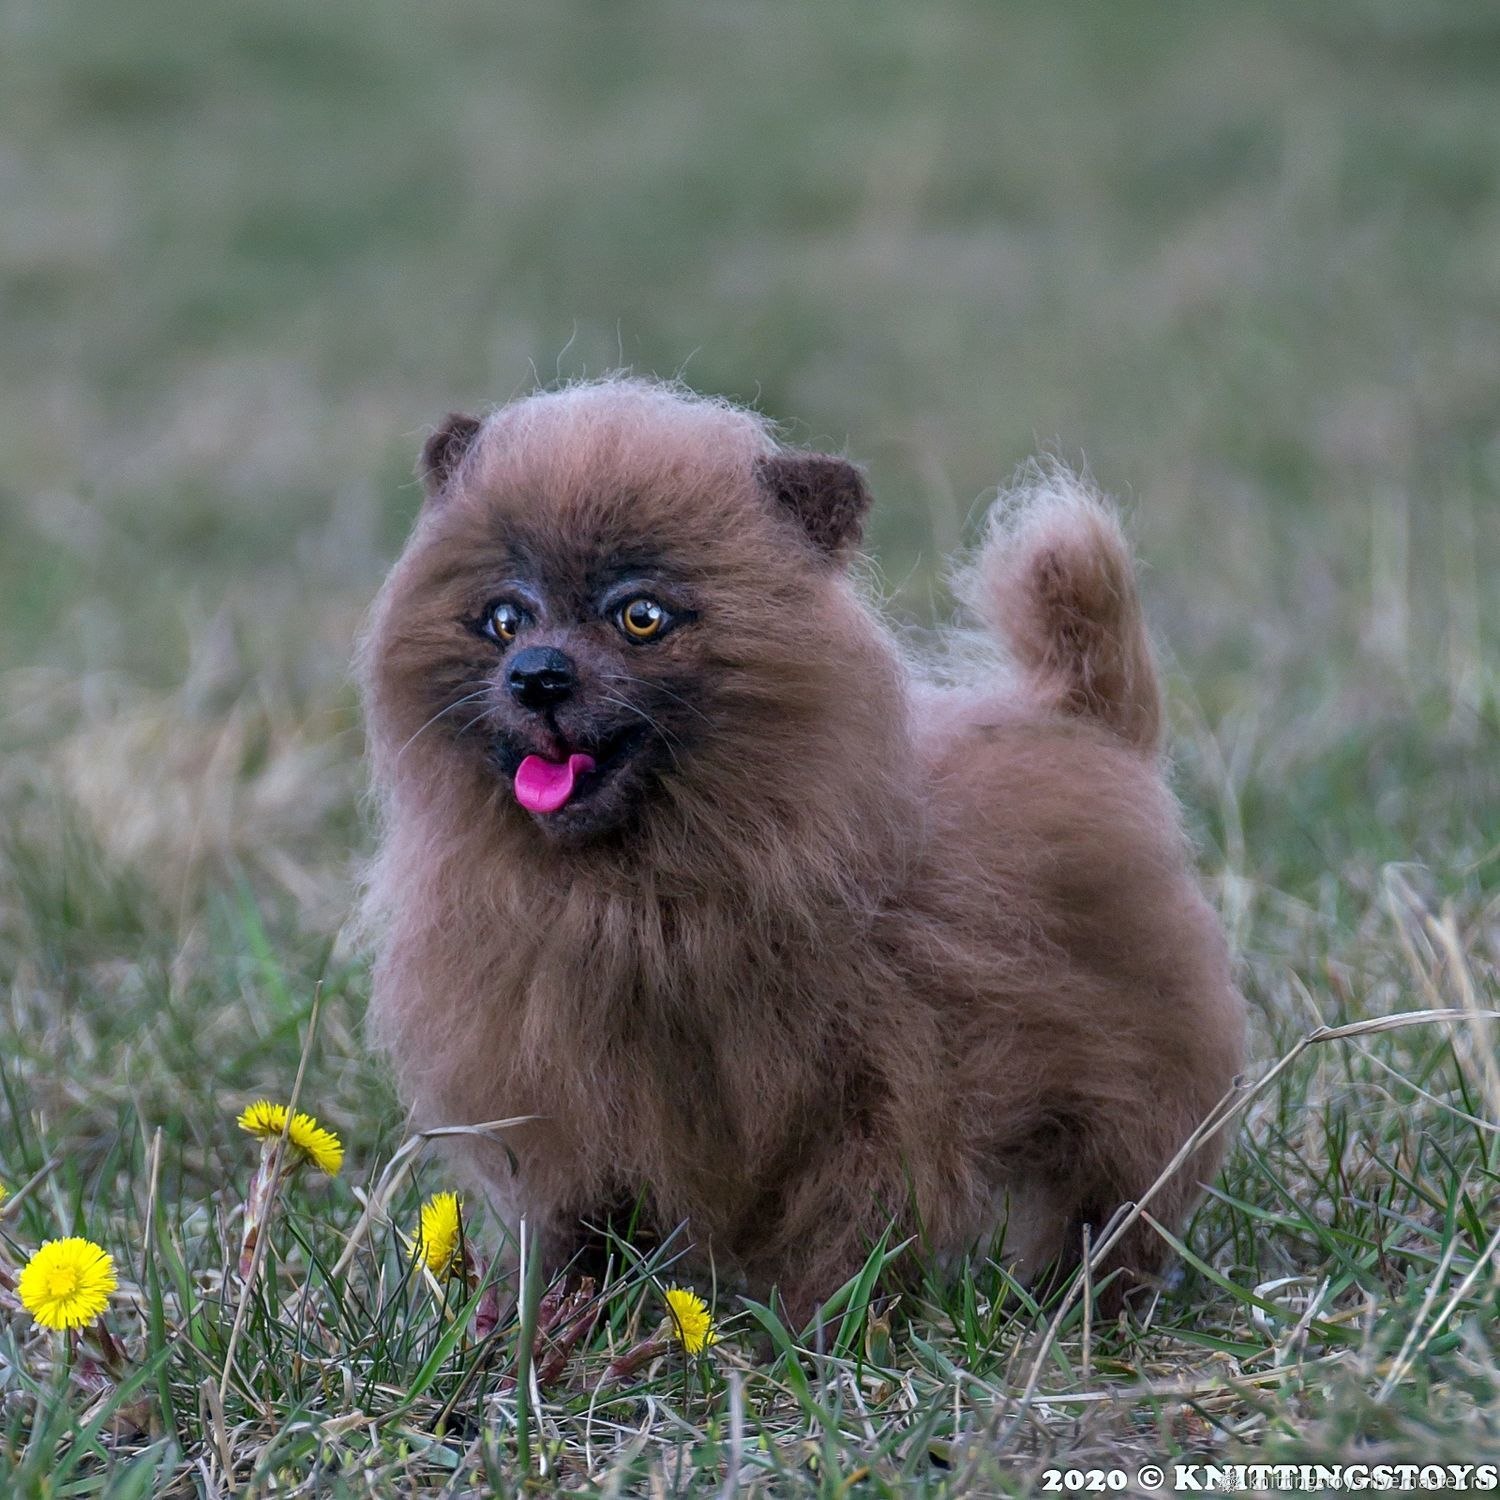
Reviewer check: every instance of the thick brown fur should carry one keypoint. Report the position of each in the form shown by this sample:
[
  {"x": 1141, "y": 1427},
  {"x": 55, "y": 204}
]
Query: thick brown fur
[{"x": 849, "y": 947}]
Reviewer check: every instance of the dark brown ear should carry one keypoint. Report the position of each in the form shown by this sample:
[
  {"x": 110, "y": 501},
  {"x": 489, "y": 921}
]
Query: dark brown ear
[
  {"x": 826, "y": 496},
  {"x": 444, "y": 450}
]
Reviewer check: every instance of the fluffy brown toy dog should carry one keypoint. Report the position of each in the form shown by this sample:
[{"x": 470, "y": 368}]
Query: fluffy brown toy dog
[{"x": 769, "y": 937}]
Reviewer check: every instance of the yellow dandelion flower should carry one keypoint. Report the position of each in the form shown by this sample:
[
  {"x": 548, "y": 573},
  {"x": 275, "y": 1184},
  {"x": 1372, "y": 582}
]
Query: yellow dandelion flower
[
  {"x": 321, "y": 1147},
  {"x": 692, "y": 1324},
  {"x": 67, "y": 1283},
  {"x": 437, "y": 1238}
]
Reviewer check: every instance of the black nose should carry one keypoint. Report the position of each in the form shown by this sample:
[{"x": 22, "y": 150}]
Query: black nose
[{"x": 540, "y": 677}]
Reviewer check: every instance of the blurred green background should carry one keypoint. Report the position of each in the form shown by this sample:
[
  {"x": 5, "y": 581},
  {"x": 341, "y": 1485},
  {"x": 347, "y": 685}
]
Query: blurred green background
[{"x": 1244, "y": 260}]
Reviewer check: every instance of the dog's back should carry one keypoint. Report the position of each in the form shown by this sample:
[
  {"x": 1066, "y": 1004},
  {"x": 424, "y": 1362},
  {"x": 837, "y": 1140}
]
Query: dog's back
[{"x": 1098, "y": 1001}]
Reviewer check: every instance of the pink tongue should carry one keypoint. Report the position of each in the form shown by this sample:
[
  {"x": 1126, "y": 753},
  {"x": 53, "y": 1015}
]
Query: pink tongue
[{"x": 543, "y": 786}]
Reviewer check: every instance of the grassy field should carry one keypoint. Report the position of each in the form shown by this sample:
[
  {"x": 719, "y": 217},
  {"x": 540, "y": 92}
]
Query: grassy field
[{"x": 1245, "y": 260}]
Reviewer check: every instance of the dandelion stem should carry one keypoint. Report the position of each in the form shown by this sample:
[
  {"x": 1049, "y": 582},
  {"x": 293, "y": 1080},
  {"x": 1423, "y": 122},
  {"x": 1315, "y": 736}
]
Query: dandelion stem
[{"x": 275, "y": 1188}]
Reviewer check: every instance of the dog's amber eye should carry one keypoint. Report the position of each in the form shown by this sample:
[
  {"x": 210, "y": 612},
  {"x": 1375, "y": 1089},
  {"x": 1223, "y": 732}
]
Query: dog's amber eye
[
  {"x": 503, "y": 622},
  {"x": 642, "y": 618}
]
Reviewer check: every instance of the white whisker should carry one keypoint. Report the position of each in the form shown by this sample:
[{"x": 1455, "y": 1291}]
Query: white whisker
[
  {"x": 656, "y": 687},
  {"x": 667, "y": 737},
  {"x": 448, "y": 708}
]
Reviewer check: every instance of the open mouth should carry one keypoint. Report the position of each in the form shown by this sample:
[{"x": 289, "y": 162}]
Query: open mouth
[{"x": 545, "y": 784}]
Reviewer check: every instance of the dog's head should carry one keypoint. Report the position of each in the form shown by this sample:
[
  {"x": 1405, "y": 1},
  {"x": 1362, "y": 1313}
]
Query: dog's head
[{"x": 618, "y": 593}]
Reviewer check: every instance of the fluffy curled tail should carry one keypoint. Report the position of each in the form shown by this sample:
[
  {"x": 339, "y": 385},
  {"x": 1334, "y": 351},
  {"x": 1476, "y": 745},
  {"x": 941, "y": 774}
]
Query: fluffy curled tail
[{"x": 1056, "y": 580}]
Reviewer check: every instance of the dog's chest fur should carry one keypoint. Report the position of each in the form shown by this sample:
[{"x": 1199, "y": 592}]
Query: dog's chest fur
[{"x": 663, "y": 1042}]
